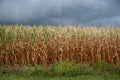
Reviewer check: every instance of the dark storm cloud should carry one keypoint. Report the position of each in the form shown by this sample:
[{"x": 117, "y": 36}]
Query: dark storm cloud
[{"x": 54, "y": 12}]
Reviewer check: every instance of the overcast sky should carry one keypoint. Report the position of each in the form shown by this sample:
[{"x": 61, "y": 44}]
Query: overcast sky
[{"x": 64, "y": 12}]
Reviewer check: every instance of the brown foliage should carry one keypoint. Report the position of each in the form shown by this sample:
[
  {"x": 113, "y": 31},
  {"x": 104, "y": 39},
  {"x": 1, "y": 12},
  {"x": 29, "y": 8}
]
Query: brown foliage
[{"x": 20, "y": 52}]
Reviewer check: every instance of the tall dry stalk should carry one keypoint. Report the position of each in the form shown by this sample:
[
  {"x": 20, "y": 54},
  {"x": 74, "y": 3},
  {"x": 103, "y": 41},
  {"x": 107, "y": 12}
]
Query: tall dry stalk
[{"x": 24, "y": 45}]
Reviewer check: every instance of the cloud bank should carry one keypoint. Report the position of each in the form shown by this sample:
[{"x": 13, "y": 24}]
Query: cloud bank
[{"x": 64, "y": 12}]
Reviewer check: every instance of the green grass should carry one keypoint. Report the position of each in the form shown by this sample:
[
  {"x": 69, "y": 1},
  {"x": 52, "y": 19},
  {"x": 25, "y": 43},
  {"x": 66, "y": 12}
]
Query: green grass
[
  {"x": 63, "y": 71},
  {"x": 60, "y": 78}
]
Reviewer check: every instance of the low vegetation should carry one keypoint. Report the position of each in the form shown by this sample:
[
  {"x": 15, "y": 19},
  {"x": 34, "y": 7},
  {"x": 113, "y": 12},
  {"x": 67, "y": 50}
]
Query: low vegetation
[{"x": 63, "y": 71}]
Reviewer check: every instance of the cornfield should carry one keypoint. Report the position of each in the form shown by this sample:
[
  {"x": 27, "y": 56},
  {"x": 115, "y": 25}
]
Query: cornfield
[{"x": 36, "y": 45}]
